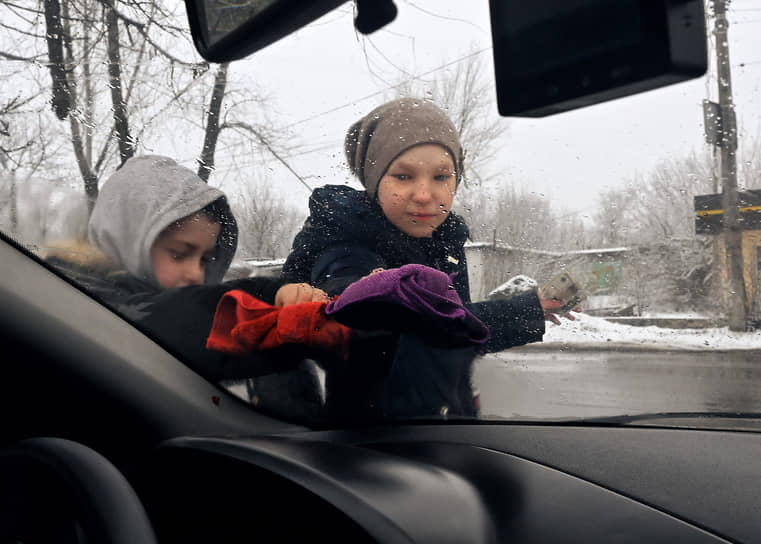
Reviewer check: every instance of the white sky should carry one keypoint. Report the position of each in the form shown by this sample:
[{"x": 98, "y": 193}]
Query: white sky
[{"x": 324, "y": 72}]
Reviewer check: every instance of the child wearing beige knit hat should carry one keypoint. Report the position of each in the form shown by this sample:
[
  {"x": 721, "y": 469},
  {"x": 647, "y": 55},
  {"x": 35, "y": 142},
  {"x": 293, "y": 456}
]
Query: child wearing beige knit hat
[{"x": 408, "y": 156}]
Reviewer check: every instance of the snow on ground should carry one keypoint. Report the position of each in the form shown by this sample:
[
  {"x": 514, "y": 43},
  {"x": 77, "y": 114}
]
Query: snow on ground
[{"x": 594, "y": 332}]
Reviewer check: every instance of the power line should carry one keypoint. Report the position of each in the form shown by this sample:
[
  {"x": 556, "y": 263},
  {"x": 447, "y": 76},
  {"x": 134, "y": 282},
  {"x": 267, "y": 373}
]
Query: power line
[
  {"x": 384, "y": 57},
  {"x": 369, "y": 64},
  {"x": 318, "y": 149},
  {"x": 444, "y": 17},
  {"x": 376, "y": 93}
]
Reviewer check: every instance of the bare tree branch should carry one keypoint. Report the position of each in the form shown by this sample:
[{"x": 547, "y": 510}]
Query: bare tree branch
[
  {"x": 104, "y": 47},
  {"x": 121, "y": 122},
  {"x": 249, "y": 128},
  {"x": 88, "y": 176},
  {"x": 61, "y": 100},
  {"x": 11, "y": 56},
  {"x": 464, "y": 94},
  {"x": 266, "y": 224},
  {"x": 23, "y": 32},
  {"x": 142, "y": 28},
  {"x": 88, "y": 84},
  {"x": 13, "y": 7},
  {"x": 175, "y": 98},
  {"x": 206, "y": 161}
]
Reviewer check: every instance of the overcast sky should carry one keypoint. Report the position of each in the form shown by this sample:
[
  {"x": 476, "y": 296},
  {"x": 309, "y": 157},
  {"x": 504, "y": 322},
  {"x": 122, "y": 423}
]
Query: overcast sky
[{"x": 326, "y": 76}]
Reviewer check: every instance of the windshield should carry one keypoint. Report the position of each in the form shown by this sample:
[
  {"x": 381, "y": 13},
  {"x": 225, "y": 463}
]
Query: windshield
[{"x": 341, "y": 228}]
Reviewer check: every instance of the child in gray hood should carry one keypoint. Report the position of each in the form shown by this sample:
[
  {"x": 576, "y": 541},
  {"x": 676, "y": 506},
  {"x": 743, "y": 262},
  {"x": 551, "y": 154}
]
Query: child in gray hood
[
  {"x": 148, "y": 202},
  {"x": 160, "y": 241}
]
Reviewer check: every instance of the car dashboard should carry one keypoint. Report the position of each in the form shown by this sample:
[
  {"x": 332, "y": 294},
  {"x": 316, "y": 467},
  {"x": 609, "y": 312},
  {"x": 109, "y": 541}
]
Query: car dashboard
[{"x": 471, "y": 483}]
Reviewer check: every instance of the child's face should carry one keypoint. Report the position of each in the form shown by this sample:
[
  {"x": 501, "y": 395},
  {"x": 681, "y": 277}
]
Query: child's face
[
  {"x": 417, "y": 190},
  {"x": 182, "y": 251}
]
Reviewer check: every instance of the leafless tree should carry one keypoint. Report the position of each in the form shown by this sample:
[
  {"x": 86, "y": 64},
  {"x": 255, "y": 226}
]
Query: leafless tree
[
  {"x": 206, "y": 161},
  {"x": 97, "y": 52},
  {"x": 466, "y": 94},
  {"x": 656, "y": 206},
  {"x": 518, "y": 217},
  {"x": 522, "y": 218},
  {"x": 474, "y": 204},
  {"x": 51, "y": 210},
  {"x": 117, "y": 71},
  {"x": 569, "y": 232},
  {"x": 22, "y": 151},
  {"x": 612, "y": 218},
  {"x": 32, "y": 208},
  {"x": 266, "y": 223},
  {"x": 246, "y": 127},
  {"x": 749, "y": 167}
]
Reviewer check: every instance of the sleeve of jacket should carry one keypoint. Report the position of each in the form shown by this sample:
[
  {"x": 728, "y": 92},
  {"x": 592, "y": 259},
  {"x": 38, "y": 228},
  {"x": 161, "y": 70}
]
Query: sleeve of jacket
[
  {"x": 511, "y": 322},
  {"x": 338, "y": 267},
  {"x": 180, "y": 320},
  {"x": 301, "y": 257}
]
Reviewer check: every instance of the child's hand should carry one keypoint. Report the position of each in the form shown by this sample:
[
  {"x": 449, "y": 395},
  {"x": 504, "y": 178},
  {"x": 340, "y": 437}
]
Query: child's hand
[
  {"x": 550, "y": 307},
  {"x": 373, "y": 271},
  {"x": 296, "y": 293}
]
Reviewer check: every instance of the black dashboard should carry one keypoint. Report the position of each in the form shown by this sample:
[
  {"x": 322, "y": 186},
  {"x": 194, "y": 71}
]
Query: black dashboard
[{"x": 476, "y": 483}]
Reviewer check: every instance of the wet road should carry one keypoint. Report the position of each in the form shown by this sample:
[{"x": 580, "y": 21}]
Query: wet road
[{"x": 540, "y": 384}]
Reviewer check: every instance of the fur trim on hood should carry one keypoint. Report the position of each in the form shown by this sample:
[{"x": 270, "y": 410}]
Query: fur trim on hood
[{"x": 81, "y": 254}]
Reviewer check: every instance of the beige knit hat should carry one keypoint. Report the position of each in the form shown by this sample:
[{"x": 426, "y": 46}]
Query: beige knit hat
[{"x": 376, "y": 140}]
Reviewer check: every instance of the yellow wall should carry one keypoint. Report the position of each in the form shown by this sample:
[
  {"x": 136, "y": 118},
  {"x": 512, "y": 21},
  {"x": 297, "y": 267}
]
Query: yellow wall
[{"x": 751, "y": 239}]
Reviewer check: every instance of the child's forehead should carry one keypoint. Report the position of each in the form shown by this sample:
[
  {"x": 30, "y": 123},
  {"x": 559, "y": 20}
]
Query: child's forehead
[
  {"x": 198, "y": 221},
  {"x": 199, "y": 217},
  {"x": 425, "y": 154}
]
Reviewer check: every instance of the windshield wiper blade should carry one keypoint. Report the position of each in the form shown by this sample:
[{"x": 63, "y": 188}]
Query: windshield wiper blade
[{"x": 633, "y": 418}]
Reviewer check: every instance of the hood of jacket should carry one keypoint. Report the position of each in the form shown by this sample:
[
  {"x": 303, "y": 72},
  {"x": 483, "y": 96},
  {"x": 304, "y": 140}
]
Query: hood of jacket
[{"x": 145, "y": 196}]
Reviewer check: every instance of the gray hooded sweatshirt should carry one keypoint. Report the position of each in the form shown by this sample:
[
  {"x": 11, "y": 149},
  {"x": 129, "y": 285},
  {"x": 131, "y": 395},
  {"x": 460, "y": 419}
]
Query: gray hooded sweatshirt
[{"x": 142, "y": 198}]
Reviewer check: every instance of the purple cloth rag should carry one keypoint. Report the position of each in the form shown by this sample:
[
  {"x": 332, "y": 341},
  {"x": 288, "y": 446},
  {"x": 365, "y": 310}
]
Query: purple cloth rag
[{"x": 413, "y": 299}]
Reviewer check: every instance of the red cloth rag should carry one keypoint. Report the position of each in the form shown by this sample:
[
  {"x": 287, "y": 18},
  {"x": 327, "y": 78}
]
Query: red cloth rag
[{"x": 243, "y": 323}]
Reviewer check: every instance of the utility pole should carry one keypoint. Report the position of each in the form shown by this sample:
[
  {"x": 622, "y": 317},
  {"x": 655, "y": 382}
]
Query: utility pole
[{"x": 728, "y": 145}]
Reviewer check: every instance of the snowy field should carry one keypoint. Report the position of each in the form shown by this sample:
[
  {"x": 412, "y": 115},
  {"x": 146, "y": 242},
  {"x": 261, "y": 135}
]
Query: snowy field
[{"x": 596, "y": 333}]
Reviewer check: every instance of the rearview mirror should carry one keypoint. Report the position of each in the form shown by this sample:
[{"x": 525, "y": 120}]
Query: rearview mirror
[
  {"x": 223, "y": 30},
  {"x": 552, "y": 56}
]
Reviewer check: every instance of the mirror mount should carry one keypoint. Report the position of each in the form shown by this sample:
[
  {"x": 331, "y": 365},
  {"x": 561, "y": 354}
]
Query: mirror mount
[{"x": 373, "y": 15}]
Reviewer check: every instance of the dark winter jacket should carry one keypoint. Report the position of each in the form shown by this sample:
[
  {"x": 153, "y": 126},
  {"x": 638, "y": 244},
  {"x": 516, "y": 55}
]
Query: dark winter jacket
[
  {"x": 179, "y": 319},
  {"x": 345, "y": 237}
]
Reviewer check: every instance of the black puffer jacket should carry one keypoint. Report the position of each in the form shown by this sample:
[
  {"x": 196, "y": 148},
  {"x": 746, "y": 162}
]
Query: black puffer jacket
[
  {"x": 345, "y": 237},
  {"x": 179, "y": 319}
]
